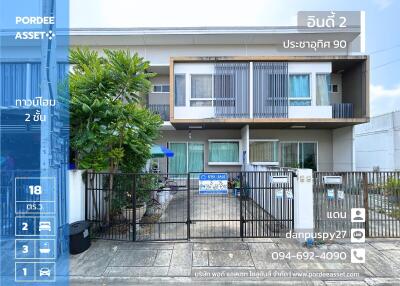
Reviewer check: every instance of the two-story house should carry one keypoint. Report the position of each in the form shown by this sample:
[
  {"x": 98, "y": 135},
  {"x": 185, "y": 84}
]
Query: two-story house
[{"x": 235, "y": 96}]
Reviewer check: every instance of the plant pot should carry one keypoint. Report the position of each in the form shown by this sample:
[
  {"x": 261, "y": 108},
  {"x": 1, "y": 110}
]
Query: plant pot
[
  {"x": 140, "y": 211},
  {"x": 164, "y": 196}
]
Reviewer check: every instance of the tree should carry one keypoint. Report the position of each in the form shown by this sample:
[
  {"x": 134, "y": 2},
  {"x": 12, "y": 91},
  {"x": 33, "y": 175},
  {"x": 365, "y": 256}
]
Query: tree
[{"x": 110, "y": 128}]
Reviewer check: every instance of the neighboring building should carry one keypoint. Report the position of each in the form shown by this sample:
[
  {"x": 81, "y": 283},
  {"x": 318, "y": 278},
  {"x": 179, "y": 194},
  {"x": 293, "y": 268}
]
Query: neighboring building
[
  {"x": 232, "y": 96},
  {"x": 377, "y": 143}
]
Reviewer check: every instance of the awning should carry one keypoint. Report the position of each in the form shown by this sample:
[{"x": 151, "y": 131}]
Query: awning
[{"x": 159, "y": 151}]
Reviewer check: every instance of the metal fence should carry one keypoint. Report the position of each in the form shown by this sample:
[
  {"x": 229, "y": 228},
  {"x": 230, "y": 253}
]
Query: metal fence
[
  {"x": 377, "y": 192},
  {"x": 342, "y": 110},
  {"x": 160, "y": 109},
  {"x": 141, "y": 207}
]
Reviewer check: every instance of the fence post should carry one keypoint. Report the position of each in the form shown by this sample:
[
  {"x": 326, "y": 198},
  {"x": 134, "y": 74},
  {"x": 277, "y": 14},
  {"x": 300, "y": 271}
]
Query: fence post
[
  {"x": 86, "y": 195},
  {"x": 188, "y": 207},
  {"x": 241, "y": 204},
  {"x": 365, "y": 197},
  {"x": 303, "y": 197},
  {"x": 134, "y": 206}
]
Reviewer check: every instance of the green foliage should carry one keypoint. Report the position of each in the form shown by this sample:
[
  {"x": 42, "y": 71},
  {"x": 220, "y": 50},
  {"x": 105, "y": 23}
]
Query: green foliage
[
  {"x": 110, "y": 129},
  {"x": 146, "y": 183},
  {"x": 392, "y": 187},
  {"x": 123, "y": 189}
]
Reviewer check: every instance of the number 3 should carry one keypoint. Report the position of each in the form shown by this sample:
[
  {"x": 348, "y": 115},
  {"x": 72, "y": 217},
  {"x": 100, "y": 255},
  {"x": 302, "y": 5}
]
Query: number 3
[{"x": 25, "y": 249}]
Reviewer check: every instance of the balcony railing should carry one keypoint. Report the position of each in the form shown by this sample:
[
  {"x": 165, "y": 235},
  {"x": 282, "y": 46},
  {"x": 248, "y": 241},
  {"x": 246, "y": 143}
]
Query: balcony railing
[
  {"x": 342, "y": 110},
  {"x": 160, "y": 109}
]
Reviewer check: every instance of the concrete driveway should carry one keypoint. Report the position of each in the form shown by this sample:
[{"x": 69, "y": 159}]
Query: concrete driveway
[{"x": 226, "y": 262}]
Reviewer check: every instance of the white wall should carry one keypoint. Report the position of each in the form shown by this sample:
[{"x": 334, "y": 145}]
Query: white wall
[
  {"x": 377, "y": 143},
  {"x": 396, "y": 141},
  {"x": 76, "y": 193},
  {"x": 310, "y": 112},
  {"x": 343, "y": 149}
]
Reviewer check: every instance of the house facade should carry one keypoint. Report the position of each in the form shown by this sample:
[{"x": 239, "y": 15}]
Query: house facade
[
  {"x": 236, "y": 96},
  {"x": 377, "y": 143}
]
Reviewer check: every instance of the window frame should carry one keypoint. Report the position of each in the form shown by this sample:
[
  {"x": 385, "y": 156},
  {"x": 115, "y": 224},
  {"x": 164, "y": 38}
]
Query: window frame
[
  {"x": 193, "y": 99},
  {"x": 161, "y": 86},
  {"x": 309, "y": 89},
  {"x": 298, "y": 151},
  {"x": 272, "y": 163},
  {"x": 238, "y": 163}
]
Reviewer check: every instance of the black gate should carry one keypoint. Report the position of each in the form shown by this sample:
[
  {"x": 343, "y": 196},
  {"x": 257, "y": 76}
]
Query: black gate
[
  {"x": 377, "y": 192},
  {"x": 152, "y": 207}
]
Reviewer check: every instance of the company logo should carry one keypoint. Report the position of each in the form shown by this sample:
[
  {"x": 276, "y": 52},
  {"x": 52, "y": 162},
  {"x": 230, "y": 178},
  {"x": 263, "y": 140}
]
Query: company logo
[{"x": 44, "y": 22}]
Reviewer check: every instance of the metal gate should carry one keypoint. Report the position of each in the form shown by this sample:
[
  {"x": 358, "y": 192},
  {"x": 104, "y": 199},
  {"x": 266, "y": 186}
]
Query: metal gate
[
  {"x": 140, "y": 207},
  {"x": 377, "y": 192}
]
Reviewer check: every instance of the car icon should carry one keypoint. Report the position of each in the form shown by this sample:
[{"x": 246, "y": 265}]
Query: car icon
[
  {"x": 45, "y": 225},
  {"x": 44, "y": 271}
]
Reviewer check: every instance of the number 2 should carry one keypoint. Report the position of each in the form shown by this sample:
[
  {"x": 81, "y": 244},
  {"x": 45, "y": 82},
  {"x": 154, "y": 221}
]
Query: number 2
[{"x": 24, "y": 226}]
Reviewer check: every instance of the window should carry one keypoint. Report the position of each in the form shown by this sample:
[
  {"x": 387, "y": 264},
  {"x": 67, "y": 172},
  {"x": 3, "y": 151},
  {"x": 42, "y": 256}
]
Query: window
[
  {"x": 264, "y": 152},
  {"x": 308, "y": 155},
  {"x": 19, "y": 81},
  {"x": 23, "y": 81},
  {"x": 188, "y": 157},
  {"x": 201, "y": 90},
  {"x": 161, "y": 88},
  {"x": 299, "y": 155},
  {"x": 299, "y": 90},
  {"x": 323, "y": 93},
  {"x": 225, "y": 152},
  {"x": 180, "y": 90},
  {"x": 333, "y": 88}
]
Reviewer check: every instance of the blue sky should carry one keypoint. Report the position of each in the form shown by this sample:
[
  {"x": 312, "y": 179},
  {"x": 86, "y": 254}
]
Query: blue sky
[{"x": 382, "y": 26}]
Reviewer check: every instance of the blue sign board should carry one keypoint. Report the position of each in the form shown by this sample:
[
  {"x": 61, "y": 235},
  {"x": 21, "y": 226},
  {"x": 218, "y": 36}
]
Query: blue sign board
[{"x": 213, "y": 184}]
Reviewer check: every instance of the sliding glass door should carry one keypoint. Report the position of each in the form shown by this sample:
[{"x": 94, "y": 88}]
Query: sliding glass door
[
  {"x": 178, "y": 163},
  {"x": 188, "y": 157},
  {"x": 195, "y": 157}
]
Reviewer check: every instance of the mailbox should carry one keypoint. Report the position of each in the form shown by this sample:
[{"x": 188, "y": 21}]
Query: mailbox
[
  {"x": 332, "y": 180},
  {"x": 279, "y": 179}
]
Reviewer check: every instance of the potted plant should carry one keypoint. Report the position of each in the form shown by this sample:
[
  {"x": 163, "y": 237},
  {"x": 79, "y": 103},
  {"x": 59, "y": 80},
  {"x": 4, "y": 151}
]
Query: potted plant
[{"x": 144, "y": 185}]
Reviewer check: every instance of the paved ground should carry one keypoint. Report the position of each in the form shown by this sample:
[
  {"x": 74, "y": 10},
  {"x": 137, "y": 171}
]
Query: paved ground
[{"x": 230, "y": 262}]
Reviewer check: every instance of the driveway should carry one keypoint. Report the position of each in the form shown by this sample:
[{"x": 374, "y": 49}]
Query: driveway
[{"x": 231, "y": 262}]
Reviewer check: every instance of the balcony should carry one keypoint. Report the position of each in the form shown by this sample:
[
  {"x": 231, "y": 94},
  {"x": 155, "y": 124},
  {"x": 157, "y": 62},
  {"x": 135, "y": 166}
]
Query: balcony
[
  {"x": 342, "y": 110},
  {"x": 160, "y": 109}
]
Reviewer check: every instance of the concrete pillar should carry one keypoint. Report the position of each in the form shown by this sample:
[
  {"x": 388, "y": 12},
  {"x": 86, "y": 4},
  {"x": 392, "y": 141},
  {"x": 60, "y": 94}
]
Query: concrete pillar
[
  {"x": 303, "y": 202},
  {"x": 245, "y": 134},
  {"x": 76, "y": 194}
]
